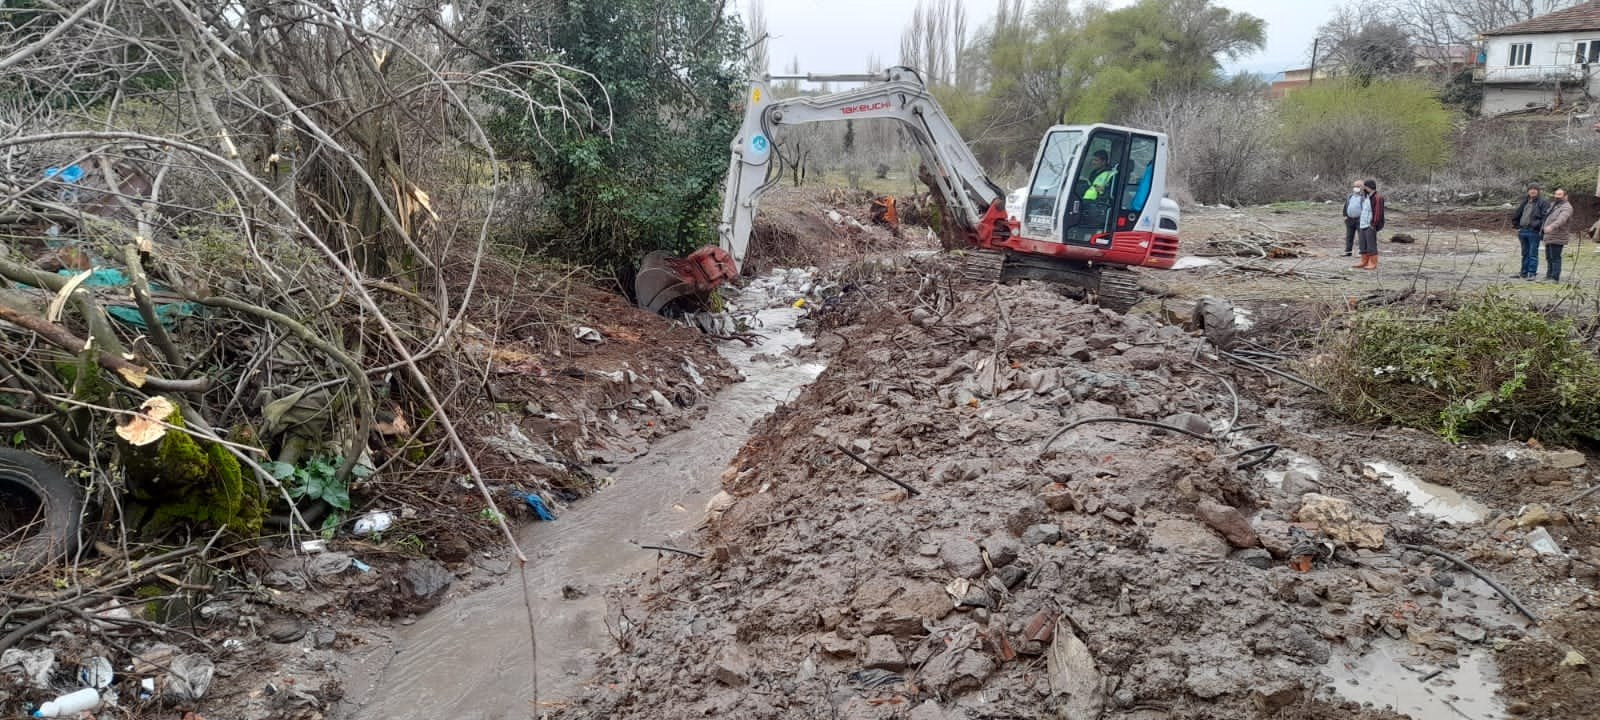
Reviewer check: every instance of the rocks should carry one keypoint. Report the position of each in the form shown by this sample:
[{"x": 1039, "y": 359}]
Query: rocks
[
  {"x": 1228, "y": 521},
  {"x": 1565, "y": 459},
  {"x": 424, "y": 584},
  {"x": 1337, "y": 518},
  {"x": 732, "y": 667},
  {"x": 1192, "y": 422},
  {"x": 1011, "y": 575},
  {"x": 882, "y": 654},
  {"x": 1468, "y": 632},
  {"x": 1031, "y": 511},
  {"x": 1207, "y": 682},
  {"x": 1002, "y": 550},
  {"x": 922, "y": 600},
  {"x": 1537, "y": 515},
  {"x": 284, "y": 630},
  {"x": 1254, "y": 557},
  {"x": 836, "y": 647},
  {"x": 1271, "y": 698},
  {"x": 891, "y": 621},
  {"x": 1057, "y": 497},
  {"x": 1297, "y": 483},
  {"x": 1189, "y": 538},
  {"x": 1042, "y": 534},
  {"x": 962, "y": 558}
]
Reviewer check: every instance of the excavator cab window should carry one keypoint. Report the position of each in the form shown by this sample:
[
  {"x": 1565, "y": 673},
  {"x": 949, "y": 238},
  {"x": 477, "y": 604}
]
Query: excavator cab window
[
  {"x": 1094, "y": 206},
  {"x": 1142, "y": 158},
  {"x": 1049, "y": 175}
]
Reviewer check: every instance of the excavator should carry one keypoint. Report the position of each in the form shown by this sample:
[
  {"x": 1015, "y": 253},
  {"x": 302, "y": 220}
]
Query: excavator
[{"x": 1095, "y": 205}]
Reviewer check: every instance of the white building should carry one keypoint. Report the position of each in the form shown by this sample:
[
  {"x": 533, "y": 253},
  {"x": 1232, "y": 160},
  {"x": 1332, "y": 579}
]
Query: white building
[{"x": 1547, "y": 62}]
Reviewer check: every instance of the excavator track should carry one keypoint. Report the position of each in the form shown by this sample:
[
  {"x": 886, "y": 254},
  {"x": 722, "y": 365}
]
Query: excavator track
[
  {"x": 983, "y": 266},
  {"x": 1119, "y": 289}
]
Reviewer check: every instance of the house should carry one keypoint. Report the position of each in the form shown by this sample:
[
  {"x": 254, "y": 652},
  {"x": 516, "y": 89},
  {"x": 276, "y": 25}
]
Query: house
[
  {"x": 1291, "y": 80},
  {"x": 1547, "y": 62}
]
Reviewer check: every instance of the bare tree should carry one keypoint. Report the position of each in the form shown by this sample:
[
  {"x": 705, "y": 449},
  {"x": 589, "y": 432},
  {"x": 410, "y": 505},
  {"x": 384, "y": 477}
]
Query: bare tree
[
  {"x": 935, "y": 40},
  {"x": 756, "y": 30}
]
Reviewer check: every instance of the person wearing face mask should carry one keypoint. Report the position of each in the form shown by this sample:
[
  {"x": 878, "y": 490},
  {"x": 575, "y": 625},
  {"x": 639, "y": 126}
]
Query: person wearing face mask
[
  {"x": 1555, "y": 233},
  {"x": 1352, "y": 216}
]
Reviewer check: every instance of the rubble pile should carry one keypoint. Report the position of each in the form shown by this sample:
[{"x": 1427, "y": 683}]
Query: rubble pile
[{"x": 1028, "y": 506}]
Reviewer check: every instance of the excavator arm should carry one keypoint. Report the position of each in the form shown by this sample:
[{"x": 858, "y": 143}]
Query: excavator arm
[
  {"x": 895, "y": 94},
  {"x": 975, "y": 201}
]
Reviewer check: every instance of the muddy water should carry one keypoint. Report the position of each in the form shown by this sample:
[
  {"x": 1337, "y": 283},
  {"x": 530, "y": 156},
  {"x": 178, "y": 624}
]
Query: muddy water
[
  {"x": 1428, "y": 499},
  {"x": 471, "y": 657},
  {"x": 1388, "y": 676}
]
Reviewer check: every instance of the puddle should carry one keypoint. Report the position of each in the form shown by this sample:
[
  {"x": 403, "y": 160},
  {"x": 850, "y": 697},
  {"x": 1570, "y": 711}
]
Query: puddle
[
  {"x": 1389, "y": 676},
  {"x": 1435, "y": 501},
  {"x": 470, "y": 657},
  {"x": 1297, "y": 462}
]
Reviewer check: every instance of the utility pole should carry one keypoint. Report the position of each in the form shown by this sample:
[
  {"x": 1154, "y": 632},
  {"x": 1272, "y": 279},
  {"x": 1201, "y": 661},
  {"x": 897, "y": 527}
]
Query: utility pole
[{"x": 1314, "y": 43}]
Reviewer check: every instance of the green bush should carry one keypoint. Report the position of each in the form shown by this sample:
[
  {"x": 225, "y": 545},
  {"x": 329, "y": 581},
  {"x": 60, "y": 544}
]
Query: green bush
[
  {"x": 1394, "y": 129},
  {"x": 1493, "y": 366},
  {"x": 671, "y": 74}
]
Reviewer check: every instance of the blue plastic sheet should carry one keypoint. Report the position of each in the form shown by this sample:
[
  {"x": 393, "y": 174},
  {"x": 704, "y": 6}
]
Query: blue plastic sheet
[{"x": 539, "y": 509}]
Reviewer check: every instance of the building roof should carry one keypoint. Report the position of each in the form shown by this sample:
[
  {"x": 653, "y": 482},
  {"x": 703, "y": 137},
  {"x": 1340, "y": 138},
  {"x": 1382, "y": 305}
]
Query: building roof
[{"x": 1573, "y": 19}]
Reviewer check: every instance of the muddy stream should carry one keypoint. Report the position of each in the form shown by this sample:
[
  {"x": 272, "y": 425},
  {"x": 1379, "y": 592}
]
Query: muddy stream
[{"x": 470, "y": 657}]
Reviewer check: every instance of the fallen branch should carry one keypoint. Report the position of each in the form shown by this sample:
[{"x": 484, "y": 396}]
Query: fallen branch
[
  {"x": 1582, "y": 495},
  {"x": 875, "y": 469},
  {"x": 64, "y": 339},
  {"x": 1469, "y": 567}
]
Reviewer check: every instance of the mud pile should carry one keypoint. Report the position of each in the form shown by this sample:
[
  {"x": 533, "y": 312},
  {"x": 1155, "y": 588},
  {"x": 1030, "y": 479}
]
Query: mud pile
[{"x": 1054, "y": 561}]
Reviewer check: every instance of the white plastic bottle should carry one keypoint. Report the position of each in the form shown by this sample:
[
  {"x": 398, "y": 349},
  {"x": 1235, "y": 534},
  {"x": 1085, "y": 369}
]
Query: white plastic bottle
[{"x": 70, "y": 704}]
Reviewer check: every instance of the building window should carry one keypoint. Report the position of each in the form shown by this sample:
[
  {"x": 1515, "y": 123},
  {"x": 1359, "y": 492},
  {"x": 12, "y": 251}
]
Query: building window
[
  {"x": 1588, "y": 52},
  {"x": 1521, "y": 54}
]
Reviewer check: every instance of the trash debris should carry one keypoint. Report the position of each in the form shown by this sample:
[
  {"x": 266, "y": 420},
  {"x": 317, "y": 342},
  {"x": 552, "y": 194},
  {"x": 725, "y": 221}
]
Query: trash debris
[
  {"x": 540, "y": 510},
  {"x": 373, "y": 522},
  {"x": 96, "y": 672},
  {"x": 35, "y": 666},
  {"x": 588, "y": 334},
  {"x": 189, "y": 677},
  {"x": 70, "y": 705},
  {"x": 1539, "y": 539}
]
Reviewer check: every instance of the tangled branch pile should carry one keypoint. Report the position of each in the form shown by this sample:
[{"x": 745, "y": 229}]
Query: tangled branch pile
[
  {"x": 1491, "y": 366},
  {"x": 272, "y": 218}
]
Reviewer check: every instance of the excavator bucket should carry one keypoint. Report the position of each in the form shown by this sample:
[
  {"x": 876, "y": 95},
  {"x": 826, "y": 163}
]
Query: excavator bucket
[{"x": 663, "y": 278}]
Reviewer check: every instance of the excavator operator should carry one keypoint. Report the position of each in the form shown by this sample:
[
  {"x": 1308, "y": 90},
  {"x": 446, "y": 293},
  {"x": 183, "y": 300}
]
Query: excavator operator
[{"x": 1102, "y": 175}]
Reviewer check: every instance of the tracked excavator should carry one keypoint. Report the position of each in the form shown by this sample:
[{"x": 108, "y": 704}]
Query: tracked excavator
[{"x": 1095, "y": 205}]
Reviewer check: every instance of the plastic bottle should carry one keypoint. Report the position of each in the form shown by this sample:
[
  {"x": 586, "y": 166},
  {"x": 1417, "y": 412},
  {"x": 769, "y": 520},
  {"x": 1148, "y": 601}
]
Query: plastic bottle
[{"x": 70, "y": 705}]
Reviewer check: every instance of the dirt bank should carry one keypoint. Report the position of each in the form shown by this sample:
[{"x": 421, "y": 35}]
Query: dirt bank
[{"x": 1118, "y": 571}]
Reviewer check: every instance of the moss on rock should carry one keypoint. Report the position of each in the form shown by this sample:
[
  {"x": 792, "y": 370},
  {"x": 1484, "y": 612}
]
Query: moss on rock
[{"x": 184, "y": 481}]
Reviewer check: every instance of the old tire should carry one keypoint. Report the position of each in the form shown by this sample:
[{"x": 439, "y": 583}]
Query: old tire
[
  {"x": 1216, "y": 319},
  {"x": 39, "y": 513}
]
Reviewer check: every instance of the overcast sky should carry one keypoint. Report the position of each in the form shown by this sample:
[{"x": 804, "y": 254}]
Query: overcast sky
[{"x": 837, "y": 36}]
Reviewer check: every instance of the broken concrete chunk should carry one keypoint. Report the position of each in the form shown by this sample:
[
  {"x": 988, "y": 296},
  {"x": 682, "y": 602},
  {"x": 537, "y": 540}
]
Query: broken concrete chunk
[
  {"x": 1468, "y": 632},
  {"x": 1338, "y": 519},
  {"x": 892, "y": 621},
  {"x": 1207, "y": 683},
  {"x": 1075, "y": 683},
  {"x": 1272, "y": 698},
  {"x": 962, "y": 558},
  {"x": 1297, "y": 483},
  {"x": 883, "y": 654},
  {"x": 834, "y": 646},
  {"x": 1230, "y": 522}
]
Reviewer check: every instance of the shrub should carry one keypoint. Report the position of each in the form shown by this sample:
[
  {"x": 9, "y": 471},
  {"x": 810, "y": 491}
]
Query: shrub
[
  {"x": 1491, "y": 366},
  {"x": 1394, "y": 129}
]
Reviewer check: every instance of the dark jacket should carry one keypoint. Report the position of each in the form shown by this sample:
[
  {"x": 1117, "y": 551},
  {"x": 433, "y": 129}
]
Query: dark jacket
[{"x": 1539, "y": 213}]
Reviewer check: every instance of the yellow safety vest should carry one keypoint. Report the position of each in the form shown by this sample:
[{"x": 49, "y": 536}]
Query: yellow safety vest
[{"x": 1101, "y": 183}]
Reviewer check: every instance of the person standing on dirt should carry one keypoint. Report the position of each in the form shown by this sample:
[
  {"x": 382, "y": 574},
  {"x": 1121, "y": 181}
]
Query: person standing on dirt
[
  {"x": 1369, "y": 223},
  {"x": 1528, "y": 219},
  {"x": 1556, "y": 233},
  {"x": 1352, "y": 215}
]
